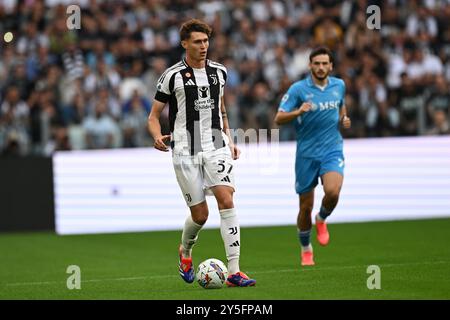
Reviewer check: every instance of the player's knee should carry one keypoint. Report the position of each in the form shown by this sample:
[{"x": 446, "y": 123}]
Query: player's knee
[
  {"x": 200, "y": 213},
  {"x": 225, "y": 203},
  {"x": 200, "y": 218}
]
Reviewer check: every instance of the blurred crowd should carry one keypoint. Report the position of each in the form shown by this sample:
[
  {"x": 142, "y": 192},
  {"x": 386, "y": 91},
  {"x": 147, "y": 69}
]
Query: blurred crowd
[{"x": 92, "y": 88}]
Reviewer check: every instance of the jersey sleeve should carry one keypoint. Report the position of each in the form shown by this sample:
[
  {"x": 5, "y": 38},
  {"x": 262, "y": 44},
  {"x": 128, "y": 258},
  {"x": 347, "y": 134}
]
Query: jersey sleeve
[
  {"x": 163, "y": 90},
  {"x": 220, "y": 67},
  {"x": 224, "y": 74},
  {"x": 291, "y": 99}
]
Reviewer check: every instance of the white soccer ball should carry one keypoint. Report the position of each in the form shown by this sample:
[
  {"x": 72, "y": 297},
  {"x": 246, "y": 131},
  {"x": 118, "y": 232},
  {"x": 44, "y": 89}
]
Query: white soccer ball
[{"x": 211, "y": 274}]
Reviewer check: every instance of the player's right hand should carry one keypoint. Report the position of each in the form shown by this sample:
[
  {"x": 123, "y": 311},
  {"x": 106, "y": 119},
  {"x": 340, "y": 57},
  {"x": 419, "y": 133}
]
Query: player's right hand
[
  {"x": 160, "y": 144},
  {"x": 305, "y": 107}
]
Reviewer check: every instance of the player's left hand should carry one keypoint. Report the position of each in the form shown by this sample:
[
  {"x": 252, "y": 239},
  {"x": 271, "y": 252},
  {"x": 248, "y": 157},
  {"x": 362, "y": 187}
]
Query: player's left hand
[
  {"x": 235, "y": 152},
  {"x": 346, "y": 122}
]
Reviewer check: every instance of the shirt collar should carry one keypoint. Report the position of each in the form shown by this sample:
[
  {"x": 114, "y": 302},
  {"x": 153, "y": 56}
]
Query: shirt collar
[
  {"x": 188, "y": 66},
  {"x": 311, "y": 83}
]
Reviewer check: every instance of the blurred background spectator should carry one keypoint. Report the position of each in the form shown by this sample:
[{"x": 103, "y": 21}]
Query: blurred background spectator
[{"x": 92, "y": 88}]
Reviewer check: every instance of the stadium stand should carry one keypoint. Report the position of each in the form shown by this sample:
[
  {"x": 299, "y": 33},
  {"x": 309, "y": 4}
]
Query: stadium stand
[{"x": 92, "y": 88}]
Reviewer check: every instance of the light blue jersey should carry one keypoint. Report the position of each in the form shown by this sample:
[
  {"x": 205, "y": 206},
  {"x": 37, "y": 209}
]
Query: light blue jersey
[
  {"x": 318, "y": 129},
  {"x": 319, "y": 141}
]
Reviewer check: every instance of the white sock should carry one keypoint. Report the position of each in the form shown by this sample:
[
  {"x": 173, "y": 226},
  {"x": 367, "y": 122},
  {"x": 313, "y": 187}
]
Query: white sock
[
  {"x": 318, "y": 218},
  {"x": 231, "y": 235},
  {"x": 307, "y": 248},
  {"x": 189, "y": 236}
]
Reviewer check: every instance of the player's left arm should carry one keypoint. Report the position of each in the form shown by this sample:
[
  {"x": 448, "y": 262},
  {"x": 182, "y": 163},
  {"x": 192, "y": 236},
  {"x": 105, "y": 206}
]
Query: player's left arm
[
  {"x": 345, "y": 120},
  {"x": 235, "y": 152}
]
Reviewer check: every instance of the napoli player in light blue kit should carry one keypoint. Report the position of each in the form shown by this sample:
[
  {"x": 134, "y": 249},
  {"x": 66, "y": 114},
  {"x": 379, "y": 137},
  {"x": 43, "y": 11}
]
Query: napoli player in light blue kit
[{"x": 316, "y": 103}]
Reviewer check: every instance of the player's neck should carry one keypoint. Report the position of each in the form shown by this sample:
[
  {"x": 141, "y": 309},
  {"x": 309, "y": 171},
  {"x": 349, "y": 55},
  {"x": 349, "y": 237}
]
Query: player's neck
[
  {"x": 320, "y": 82},
  {"x": 197, "y": 64}
]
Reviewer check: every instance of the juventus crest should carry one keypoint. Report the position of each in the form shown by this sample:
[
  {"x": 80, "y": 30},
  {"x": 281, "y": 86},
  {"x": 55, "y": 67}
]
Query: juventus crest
[{"x": 214, "y": 78}]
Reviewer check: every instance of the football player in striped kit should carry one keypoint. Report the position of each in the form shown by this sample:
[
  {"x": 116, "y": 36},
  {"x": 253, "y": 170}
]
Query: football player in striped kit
[{"x": 202, "y": 149}]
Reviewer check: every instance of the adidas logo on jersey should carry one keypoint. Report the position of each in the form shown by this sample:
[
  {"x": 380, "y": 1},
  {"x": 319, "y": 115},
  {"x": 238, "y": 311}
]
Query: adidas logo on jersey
[
  {"x": 226, "y": 179},
  {"x": 190, "y": 82}
]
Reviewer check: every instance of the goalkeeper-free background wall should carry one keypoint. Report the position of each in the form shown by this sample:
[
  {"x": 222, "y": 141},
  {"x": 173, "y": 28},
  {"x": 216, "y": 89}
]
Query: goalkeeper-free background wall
[{"x": 136, "y": 189}]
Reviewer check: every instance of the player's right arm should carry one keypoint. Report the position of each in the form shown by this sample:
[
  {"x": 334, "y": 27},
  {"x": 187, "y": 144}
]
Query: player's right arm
[
  {"x": 283, "y": 117},
  {"x": 291, "y": 105},
  {"x": 162, "y": 96},
  {"x": 154, "y": 127}
]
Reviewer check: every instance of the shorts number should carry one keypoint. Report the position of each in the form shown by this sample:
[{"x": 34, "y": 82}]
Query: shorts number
[{"x": 222, "y": 167}]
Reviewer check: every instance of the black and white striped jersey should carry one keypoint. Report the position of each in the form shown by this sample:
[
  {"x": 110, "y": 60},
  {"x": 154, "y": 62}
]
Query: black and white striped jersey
[{"x": 194, "y": 97}]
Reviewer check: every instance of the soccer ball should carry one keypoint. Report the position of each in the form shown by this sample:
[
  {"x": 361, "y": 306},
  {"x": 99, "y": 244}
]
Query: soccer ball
[{"x": 211, "y": 274}]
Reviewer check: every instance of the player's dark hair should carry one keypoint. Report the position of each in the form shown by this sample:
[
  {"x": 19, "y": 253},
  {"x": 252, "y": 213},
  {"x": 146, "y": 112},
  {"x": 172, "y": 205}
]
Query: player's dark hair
[
  {"x": 194, "y": 25},
  {"x": 321, "y": 50}
]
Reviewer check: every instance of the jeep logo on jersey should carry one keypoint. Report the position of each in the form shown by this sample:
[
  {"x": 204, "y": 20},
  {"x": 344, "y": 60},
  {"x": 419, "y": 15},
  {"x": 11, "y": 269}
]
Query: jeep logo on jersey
[{"x": 203, "y": 92}]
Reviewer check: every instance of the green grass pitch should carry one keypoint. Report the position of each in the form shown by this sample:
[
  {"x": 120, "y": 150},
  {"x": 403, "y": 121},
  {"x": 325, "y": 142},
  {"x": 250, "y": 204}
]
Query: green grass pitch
[{"x": 413, "y": 256}]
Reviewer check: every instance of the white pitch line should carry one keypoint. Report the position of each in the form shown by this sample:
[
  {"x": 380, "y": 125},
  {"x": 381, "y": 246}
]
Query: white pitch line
[
  {"x": 252, "y": 272},
  {"x": 89, "y": 280},
  {"x": 353, "y": 267}
]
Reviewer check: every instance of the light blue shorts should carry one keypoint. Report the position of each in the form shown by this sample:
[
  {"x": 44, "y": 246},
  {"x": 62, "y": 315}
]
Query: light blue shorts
[{"x": 308, "y": 170}]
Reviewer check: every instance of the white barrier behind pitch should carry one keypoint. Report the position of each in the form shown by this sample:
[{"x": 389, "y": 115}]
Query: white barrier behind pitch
[{"x": 127, "y": 190}]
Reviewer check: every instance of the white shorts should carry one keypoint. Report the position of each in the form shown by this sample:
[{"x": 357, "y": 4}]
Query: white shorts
[{"x": 197, "y": 174}]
